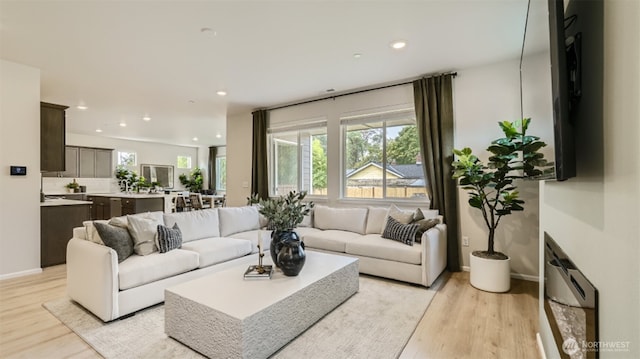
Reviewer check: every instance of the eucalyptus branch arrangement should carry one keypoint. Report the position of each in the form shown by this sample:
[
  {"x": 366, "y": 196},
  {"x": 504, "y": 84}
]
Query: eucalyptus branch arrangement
[{"x": 285, "y": 212}]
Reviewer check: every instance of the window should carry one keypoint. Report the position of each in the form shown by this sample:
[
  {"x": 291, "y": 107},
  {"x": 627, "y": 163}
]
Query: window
[
  {"x": 298, "y": 159},
  {"x": 381, "y": 156},
  {"x": 126, "y": 158},
  {"x": 221, "y": 173},
  {"x": 184, "y": 162}
]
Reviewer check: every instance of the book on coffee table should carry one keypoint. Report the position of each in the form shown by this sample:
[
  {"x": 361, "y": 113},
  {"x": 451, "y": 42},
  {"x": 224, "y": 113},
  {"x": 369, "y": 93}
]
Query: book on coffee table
[{"x": 252, "y": 272}]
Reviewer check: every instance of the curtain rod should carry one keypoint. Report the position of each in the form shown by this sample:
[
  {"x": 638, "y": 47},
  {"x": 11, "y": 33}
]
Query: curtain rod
[{"x": 405, "y": 82}]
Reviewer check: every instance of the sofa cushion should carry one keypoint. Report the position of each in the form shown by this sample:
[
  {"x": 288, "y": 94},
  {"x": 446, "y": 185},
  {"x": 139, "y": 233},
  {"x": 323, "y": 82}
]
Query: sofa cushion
[
  {"x": 305, "y": 231},
  {"x": 195, "y": 225},
  {"x": 238, "y": 219},
  {"x": 169, "y": 238},
  {"x": 402, "y": 216},
  {"x": 139, "y": 270},
  {"x": 117, "y": 238},
  {"x": 373, "y": 245},
  {"x": 92, "y": 234},
  {"x": 376, "y": 219},
  {"x": 405, "y": 233},
  {"x": 252, "y": 236},
  {"x": 144, "y": 231},
  {"x": 217, "y": 250},
  {"x": 424, "y": 225},
  {"x": 346, "y": 219},
  {"x": 330, "y": 240}
]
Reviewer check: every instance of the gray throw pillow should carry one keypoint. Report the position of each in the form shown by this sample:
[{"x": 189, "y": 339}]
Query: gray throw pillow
[
  {"x": 424, "y": 225},
  {"x": 169, "y": 238},
  {"x": 405, "y": 233},
  {"x": 117, "y": 238}
]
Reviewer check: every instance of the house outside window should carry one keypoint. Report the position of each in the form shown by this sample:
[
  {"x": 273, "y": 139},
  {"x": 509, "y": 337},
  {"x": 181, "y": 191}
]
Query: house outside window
[
  {"x": 381, "y": 156},
  {"x": 298, "y": 159},
  {"x": 221, "y": 173},
  {"x": 126, "y": 158},
  {"x": 184, "y": 162}
]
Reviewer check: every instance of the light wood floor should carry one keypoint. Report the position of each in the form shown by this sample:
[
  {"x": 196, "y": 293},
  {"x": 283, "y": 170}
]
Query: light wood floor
[{"x": 461, "y": 322}]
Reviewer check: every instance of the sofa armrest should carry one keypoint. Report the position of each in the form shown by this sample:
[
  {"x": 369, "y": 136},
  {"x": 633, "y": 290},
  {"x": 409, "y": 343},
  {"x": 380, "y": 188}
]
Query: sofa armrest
[
  {"x": 434, "y": 253},
  {"x": 92, "y": 277}
]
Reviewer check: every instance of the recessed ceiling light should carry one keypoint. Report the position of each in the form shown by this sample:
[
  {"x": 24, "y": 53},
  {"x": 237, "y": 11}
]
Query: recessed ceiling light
[
  {"x": 146, "y": 118},
  {"x": 357, "y": 55},
  {"x": 192, "y": 101},
  {"x": 98, "y": 130},
  {"x": 122, "y": 124},
  {"x": 208, "y": 31},
  {"x": 221, "y": 93},
  {"x": 81, "y": 107},
  {"x": 398, "y": 45},
  {"x": 195, "y": 138},
  {"x": 218, "y": 135}
]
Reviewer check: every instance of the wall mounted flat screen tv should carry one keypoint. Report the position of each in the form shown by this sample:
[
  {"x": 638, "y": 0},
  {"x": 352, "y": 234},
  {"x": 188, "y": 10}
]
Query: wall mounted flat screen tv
[{"x": 565, "y": 85}]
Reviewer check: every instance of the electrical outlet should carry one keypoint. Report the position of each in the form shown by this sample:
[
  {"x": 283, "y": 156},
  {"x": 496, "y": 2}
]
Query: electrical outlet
[{"x": 465, "y": 241}]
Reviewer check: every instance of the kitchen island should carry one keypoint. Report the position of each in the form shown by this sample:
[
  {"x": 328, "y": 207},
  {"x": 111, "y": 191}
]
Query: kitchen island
[
  {"x": 108, "y": 205},
  {"x": 58, "y": 217}
]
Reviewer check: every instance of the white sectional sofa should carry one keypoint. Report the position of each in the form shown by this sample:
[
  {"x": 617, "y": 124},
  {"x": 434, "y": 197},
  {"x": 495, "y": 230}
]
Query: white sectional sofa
[{"x": 213, "y": 238}]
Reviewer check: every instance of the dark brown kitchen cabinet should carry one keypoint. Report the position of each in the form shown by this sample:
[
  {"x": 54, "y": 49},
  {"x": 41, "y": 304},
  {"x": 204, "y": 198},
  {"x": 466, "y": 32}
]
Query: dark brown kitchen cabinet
[
  {"x": 56, "y": 228},
  {"x": 140, "y": 205},
  {"x": 52, "y": 137}
]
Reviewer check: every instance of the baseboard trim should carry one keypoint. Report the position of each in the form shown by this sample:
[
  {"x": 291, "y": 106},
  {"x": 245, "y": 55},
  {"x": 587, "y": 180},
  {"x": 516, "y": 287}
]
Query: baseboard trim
[
  {"x": 540, "y": 346},
  {"x": 21, "y": 273},
  {"x": 530, "y": 278}
]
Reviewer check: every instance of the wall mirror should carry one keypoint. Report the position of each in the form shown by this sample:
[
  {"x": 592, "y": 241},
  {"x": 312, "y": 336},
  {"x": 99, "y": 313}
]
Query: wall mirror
[{"x": 163, "y": 174}]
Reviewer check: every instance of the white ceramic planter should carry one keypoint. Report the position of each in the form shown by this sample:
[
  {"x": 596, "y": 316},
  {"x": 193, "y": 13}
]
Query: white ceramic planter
[{"x": 490, "y": 275}]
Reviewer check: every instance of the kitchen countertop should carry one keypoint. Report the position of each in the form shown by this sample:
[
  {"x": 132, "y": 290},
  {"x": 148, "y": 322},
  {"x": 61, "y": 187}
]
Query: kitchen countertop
[
  {"x": 128, "y": 195},
  {"x": 62, "y": 202}
]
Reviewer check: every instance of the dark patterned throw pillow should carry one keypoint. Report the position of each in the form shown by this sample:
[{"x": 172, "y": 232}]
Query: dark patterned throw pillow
[
  {"x": 117, "y": 238},
  {"x": 405, "y": 233},
  {"x": 169, "y": 238}
]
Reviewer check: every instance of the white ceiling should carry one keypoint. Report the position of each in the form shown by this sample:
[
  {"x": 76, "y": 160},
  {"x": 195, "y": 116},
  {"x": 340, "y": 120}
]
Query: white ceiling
[{"x": 125, "y": 60}]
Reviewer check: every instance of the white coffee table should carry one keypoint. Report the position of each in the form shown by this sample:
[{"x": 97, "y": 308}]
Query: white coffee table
[{"x": 223, "y": 315}]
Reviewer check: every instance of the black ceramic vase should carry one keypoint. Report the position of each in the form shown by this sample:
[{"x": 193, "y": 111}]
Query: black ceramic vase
[
  {"x": 277, "y": 237},
  {"x": 291, "y": 257}
]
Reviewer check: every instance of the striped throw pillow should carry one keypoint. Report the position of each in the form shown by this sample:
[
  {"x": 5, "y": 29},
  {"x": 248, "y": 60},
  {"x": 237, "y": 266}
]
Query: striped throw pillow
[
  {"x": 169, "y": 238},
  {"x": 405, "y": 233}
]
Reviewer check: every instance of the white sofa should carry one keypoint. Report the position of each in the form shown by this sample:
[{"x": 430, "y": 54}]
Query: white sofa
[{"x": 214, "y": 238}]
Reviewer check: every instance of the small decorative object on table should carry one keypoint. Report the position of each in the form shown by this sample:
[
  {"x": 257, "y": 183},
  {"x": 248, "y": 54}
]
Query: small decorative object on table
[{"x": 259, "y": 271}]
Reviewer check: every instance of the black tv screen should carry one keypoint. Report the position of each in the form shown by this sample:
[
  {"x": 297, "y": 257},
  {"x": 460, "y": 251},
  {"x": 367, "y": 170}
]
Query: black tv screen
[{"x": 563, "y": 126}]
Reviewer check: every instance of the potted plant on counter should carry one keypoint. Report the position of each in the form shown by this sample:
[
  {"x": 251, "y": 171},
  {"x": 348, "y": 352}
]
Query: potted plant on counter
[
  {"x": 193, "y": 182},
  {"x": 73, "y": 187},
  {"x": 283, "y": 215},
  {"x": 493, "y": 192}
]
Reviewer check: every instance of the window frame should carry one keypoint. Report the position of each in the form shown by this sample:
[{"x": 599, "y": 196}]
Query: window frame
[
  {"x": 297, "y": 129},
  {"x": 127, "y": 153},
  {"x": 384, "y": 117},
  {"x": 218, "y": 173}
]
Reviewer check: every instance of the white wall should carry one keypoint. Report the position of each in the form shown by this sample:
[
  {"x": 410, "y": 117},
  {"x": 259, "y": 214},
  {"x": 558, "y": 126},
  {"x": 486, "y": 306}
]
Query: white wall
[
  {"x": 484, "y": 96},
  {"x": 147, "y": 153},
  {"x": 595, "y": 220},
  {"x": 239, "y": 139},
  {"x": 20, "y": 146}
]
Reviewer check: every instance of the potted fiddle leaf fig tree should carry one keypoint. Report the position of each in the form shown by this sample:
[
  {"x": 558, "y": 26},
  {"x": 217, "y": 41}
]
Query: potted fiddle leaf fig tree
[{"x": 493, "y": 191}]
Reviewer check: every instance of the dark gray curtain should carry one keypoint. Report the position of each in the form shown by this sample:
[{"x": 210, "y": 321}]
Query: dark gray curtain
[
  {"x": 213, "y": 152},
  {"x": 259, "y": 172},
  {"x": 434, "y": 116}
]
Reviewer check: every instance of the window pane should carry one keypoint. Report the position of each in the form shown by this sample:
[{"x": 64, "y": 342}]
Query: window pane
[
  {"x": 284, "y": 157},
  {"x": 184, "y": 162},
  {"x": 314, "y": 161},
  {"x": 127, "y": 158},
  {"x": 363, "y": 160},
  {"x": 405, "y": 177},
  {"x": 221, "y": 173}
]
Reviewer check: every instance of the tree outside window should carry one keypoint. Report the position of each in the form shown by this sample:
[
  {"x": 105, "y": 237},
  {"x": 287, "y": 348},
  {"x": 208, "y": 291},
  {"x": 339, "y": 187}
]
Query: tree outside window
[
  {"x": 126, "y": 158},
  {"x": 221, "y": 173},
  {"x": 184, "y": 162}
]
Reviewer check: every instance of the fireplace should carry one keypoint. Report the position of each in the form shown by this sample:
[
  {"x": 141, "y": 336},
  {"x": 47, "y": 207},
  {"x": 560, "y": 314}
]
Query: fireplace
[{"x": 570, "y": 304}]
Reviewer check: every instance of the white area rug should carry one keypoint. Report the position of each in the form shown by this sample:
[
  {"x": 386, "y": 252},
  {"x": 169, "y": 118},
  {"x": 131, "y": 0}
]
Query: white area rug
[{"x": 376, "y": 322}]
